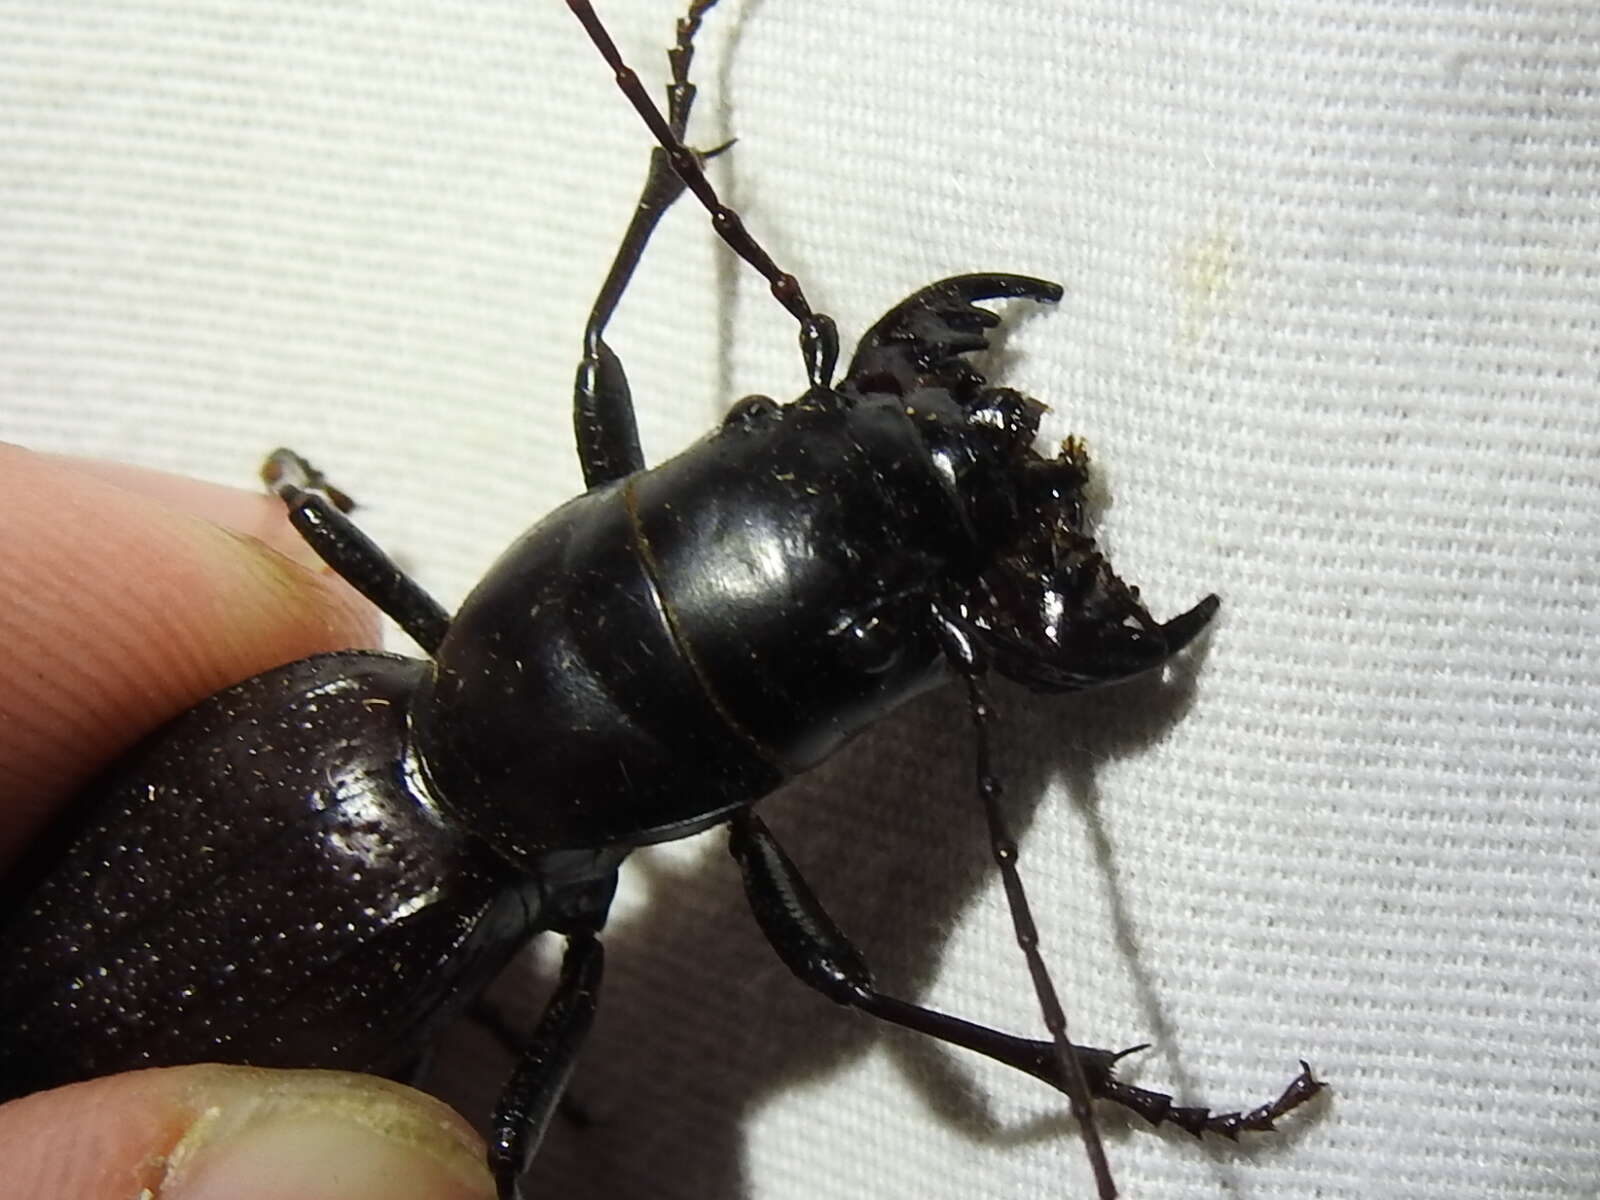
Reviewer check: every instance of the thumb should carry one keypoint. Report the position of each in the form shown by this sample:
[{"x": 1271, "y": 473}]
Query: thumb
[{"x": 239, "y": 1133}]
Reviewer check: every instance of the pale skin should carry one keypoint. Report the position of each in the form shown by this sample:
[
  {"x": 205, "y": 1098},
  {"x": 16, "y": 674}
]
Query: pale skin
[{"x": 129, "y": 596}]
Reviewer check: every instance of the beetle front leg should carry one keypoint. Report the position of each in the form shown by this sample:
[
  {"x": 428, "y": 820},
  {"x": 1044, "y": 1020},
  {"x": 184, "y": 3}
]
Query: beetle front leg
[
  {"x": 320, "y": 514},
  {"x": 545, "y": 1064},
  {"x": 814, "y": 948},
  {"x": 602, "y": 410}
]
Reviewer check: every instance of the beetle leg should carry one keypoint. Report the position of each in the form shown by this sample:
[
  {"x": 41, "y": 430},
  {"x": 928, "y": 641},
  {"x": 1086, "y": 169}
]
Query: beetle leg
[
  {"x": 319, "y": 512},
  {"x": 545, "y": 1064},
  {"x": 607, "y": 433},
  {"x": 819, "y": 337},
  {"x": 814, "y": 948}
]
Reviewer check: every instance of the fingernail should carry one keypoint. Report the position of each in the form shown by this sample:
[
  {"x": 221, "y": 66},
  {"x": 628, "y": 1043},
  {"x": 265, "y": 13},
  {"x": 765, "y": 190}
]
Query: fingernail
[{"x": 321, "y": 1135}]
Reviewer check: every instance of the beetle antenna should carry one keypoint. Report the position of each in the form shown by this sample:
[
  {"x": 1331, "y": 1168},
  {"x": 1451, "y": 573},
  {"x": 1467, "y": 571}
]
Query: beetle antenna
[
  {"x": 964, "y": 655},
  {"x": 819, "y": 339}
]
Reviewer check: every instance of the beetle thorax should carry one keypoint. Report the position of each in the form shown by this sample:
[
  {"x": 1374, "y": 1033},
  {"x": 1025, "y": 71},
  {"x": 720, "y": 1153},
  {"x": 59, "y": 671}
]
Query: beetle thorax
[{"x": 667, "y": 648}]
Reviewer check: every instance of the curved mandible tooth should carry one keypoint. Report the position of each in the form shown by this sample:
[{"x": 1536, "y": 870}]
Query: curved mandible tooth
[
  {"x": 1186, "y": 626},
  {"x": 918, "y": 342}
]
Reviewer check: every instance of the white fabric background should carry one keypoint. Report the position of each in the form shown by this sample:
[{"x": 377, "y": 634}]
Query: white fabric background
[{"x": 1331, "y": 332}]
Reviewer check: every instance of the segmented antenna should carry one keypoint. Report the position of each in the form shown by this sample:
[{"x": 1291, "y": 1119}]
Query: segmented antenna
[
  {"x": 819, "y": 339},
  {"x": 964, "y": 655}
]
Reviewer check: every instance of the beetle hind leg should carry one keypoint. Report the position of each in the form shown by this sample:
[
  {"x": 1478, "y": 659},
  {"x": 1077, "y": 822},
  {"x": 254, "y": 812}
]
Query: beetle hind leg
[
  {"x": 820, "y": 955},
  {"x": 1158, "y": 1108}
]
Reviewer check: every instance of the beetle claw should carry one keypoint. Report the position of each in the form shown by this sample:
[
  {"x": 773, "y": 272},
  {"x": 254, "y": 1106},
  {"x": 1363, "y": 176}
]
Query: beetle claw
[{"x": 1157, "y": 1108}]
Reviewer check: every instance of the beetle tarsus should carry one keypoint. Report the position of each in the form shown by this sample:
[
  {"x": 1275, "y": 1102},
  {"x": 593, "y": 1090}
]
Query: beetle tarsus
[
  {"x": 286, "y": 473},
  {"x": 1158, "y": 1108}
]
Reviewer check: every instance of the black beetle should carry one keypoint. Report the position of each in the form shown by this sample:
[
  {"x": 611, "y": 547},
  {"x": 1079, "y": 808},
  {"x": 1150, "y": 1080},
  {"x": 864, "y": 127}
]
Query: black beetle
[{"x": 323, "y": 865}]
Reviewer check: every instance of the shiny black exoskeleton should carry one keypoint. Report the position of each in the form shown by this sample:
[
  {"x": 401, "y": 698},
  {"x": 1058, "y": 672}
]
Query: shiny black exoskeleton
[{"x": 322, "y": 865}]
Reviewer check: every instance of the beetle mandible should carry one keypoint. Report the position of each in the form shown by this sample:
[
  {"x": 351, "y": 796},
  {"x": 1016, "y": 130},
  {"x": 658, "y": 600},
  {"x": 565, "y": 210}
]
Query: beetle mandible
[{"x": 646, "y": 662}]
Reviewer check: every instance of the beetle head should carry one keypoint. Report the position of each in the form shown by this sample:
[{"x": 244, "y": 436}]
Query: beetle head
[{"x": 1037, "y": 592}]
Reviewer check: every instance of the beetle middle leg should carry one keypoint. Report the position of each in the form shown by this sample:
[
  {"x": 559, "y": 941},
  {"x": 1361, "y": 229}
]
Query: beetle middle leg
[{"x": 822, "y": 957}]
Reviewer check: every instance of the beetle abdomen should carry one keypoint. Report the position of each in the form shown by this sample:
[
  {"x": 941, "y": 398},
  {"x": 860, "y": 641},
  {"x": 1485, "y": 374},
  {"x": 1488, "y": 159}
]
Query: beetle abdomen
[{"x": 259, "y": 882}]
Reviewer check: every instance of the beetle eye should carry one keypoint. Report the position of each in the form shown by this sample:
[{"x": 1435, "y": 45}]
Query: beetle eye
[
  {"x": 872, "y": 644},
  {"x": 750, "y": 410}
]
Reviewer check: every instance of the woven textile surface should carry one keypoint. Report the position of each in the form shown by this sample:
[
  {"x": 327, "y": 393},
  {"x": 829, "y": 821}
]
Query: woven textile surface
[{"x": 1331, "y": 333}]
